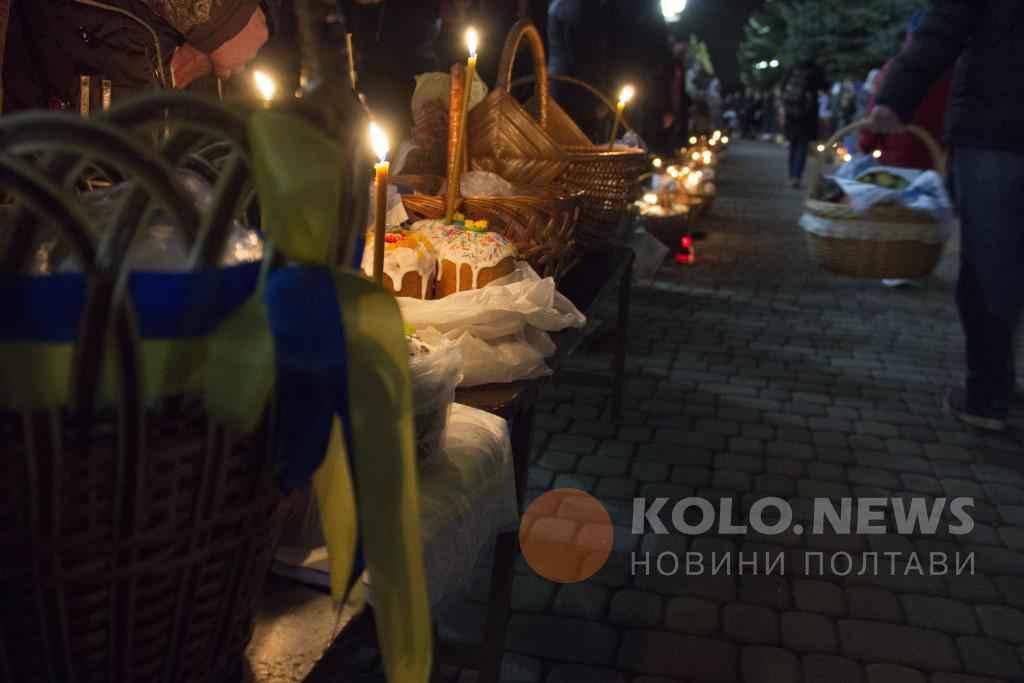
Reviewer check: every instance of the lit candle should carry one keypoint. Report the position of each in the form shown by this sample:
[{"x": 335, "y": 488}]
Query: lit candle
[
  {"x": 379, "y": 142},
  {"x": 265, "y": 86},
  {"x": 454, "y": 183},
  {"x": 625, "y": 96},
  {"x": 657, "y": 162}
]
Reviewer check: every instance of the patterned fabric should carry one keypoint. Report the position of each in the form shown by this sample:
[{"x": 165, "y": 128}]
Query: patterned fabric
[{"x": 183, "y": 15}]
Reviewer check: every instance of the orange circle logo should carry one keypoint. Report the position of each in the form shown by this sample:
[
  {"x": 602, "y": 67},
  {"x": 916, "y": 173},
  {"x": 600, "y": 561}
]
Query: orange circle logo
[{"x": 566, "y": 536}]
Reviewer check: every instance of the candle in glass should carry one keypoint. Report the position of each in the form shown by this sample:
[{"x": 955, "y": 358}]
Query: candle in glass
[
  {"x": 624, "y": 97},
  {"x": 454, "y": 182},
  {"x": 379, "y": 142}
]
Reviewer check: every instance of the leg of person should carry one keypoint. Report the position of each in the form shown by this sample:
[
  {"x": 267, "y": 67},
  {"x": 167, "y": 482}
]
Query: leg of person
[{"x": 989, "y": 292}]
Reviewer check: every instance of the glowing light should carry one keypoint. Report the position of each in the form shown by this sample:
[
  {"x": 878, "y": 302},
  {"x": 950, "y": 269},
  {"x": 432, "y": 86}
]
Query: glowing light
[
  {"x": 761, "y": 66},
  {"x": 265, "y": 85},
  {"x": 695, "y": 156},
  {"x": 717, "y": 134},
  {"x": 774, "y": 64},
  {"x": 673, "y": 10},
  {"x": 472, "y": 41},
  {"x": 673, "y": 171},
  {"x": 693, "y": 140},
  {"x": 651, "y": 198},
  {"x": 725, "y": 139},
  {"x": 657, "y": 162},
  {"x": 877, "y": 154},
  {"x": 686, "y": 242},
  {"x": 627, "y": 93},
  {"x": 821, "y": 148},
  {"x": 848, "y": 158},
  {"x": 707, "y": 157},
  {"x": 379, "y": 141}
]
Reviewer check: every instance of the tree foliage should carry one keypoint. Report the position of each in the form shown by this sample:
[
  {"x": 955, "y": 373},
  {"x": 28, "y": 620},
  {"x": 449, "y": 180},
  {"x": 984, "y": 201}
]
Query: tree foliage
[{"x": 847, "y": 38}]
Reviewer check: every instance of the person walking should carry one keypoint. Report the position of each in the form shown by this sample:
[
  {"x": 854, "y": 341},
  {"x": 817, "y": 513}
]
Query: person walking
[
  {"x": 800, "y": 106},
  {"x": 986, "y": 130}
]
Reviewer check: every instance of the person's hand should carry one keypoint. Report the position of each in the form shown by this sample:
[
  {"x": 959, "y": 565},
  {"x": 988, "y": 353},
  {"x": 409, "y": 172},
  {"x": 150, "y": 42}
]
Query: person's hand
[
  {"x": 884, "y": 120},
  {"x": 188, "y": 64},
  {"x": 232, "y": 57}
]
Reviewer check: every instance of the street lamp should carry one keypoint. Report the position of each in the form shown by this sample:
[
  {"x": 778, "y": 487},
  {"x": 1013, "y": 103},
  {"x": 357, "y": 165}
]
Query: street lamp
[
  {"x": 673, "y": 10},
  {"x": 774, "y": 64}
]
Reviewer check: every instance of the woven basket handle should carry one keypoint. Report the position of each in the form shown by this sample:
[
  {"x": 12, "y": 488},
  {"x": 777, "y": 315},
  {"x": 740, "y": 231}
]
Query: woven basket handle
[
  {"x": 938, "y": 158},
  {"x": 524, "y": 29},
  {"x": 607, "y": 101}
]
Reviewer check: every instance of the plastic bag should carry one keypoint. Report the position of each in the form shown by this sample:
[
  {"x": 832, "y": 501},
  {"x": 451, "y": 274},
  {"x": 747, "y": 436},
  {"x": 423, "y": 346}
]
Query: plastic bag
[
  {"x": 483, "y": 184},
  {"x": 650, "y": 255},
  {"x": 501, "y": 309},
  {"x": 437, "y": 86},
  {"x": 501, "y": 329},
  {"x": 435, "y": 367}
]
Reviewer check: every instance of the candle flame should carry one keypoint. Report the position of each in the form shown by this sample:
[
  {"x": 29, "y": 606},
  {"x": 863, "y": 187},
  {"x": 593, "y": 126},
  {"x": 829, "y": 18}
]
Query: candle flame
[
  {"x": 657, "y": 162},
  {"x": 696, "y": 156},
  {"x": 877, "y": 154},
  {"x": 379, "y": 141},
  {"x": 693, "y": 140},
  {"x": 472, "y": 41},
  {"x": 627, "y": 94},
  {"x": 673, "y": 171},
  {"x": 725, "y": 139},
  {"x": 265, "y": 85}
]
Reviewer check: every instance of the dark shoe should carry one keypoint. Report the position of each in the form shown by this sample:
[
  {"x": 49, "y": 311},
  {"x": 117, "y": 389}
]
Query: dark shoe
[{"x": 956, "y": 405}]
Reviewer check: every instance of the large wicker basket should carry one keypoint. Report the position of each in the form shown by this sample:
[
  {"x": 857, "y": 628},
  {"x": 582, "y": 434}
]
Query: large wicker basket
[
  {"x": 874, "y": 258},
  {"x": 136, "y": 536},
  {"x": 541, "y": 223},
  {"x": 607, "y": 179}
]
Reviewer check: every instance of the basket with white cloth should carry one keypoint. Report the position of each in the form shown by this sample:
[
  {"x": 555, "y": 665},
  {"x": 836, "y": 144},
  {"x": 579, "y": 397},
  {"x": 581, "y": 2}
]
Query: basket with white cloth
[{"x": 877, "y": 239}]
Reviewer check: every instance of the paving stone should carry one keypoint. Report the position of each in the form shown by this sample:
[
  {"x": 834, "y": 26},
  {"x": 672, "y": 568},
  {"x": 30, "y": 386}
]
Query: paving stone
[
  {"x": 742, "y": 445},
  {"x": 692, "y": 615},
  {"x": 636, "y": 608},
  {"x": 961, "y": 678},
  {"x": 584, "y": 674},
  {"x": 650, "y": 471},
  {"x": 769, "y": 665},
  {"x": 518, "y": 669},
  {"x": 583, "y": 482},
  {"x": 731, "y": 480},
  {"x": 876, "y": 604},
  {"x": 602, "y": 466},
  {"x": 530, "y": 593},
  {"x": 1011, "y": 589},
  {"x": 669, "y": 654},
  {"x": 784, "y": 466},
  {"x": 1004, "y": 494},
  {"x": 915, "y": 647},
  {"x": 740, "y": 462},
  {"x": 998, "y": 474},
  {"x": 920, "y": 483},
  {"x": 942, "y": 451},
  {"x": 693, "y": 476},
  {"x": 997, "y": 560},
  {"x": 750, "y": 624},
  {"x": 539, "y": 477},
  {"x": 769, "y": 591},
  {"x": 572, "y": 443},
  {"x": 888, "y": 461},
  {"x": 1012, "y": 514},
  {"x": 819, "y": 596},
  {"x": 962, "y": 488},
  {"x": 1004, "y": 623},
  {"x": 972, "y": 588},
  {"x": 825, "y": 471},
  {"x": 809, "y": 488},
  {"x": 635, "y": 434},
  {"x": 590, "y": 428},
  {"x": 559, "y": 461},
  {"x": 615, "y": 487},
  {"x": 893, "y": 673},
  {"x": 805, "y": 632},
  {"x": 567, "y": 640},
  {"x": 774, "y": 485},
  {"x": 1013, "y": 537},
  {"x": 830, "y": 669},
  {"x": 988, "y": 657},
  {"x": 551, "y": 423},
  {"x": 616, "y": 449},
  {"x": 940, "y": 614}
]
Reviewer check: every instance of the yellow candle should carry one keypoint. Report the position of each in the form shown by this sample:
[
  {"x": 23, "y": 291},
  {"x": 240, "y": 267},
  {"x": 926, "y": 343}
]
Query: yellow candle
[
  {"x": 461, "y": 148},
  {"x": 624, "y": 97},
  {"x": 379, "y": 142}
]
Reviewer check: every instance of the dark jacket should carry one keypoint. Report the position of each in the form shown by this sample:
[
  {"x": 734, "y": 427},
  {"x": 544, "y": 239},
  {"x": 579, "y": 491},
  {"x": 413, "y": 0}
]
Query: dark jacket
[
  {"x": 987, "y": 105},
  {"x": 807, "y": 79},
  {"x": 53, "y": 42}
]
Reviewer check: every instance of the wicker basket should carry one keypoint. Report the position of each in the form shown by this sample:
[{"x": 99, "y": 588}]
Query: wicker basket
[
  {"x": 136, "y": 538},
  {"x": 541, "y": 224},
  {"x": 871, "y": 258},
  {"x": 607, "y": 180}
]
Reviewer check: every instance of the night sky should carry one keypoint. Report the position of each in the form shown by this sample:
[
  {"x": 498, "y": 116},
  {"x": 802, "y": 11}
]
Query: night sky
[{"x": 720, "y": 24}]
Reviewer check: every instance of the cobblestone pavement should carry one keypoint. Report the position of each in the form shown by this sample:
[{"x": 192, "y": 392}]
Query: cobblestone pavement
[{"x": 752, "y": 374}]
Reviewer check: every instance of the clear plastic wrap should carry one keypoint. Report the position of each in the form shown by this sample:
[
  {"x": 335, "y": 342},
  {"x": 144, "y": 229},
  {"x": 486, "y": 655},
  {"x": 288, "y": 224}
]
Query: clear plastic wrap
[{"x": 435, "y": 368}]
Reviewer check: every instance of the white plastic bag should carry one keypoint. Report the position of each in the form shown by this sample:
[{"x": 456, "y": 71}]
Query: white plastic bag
[
  {"x": 500, "y": 330},
  {"x": 435, "y": 368}
]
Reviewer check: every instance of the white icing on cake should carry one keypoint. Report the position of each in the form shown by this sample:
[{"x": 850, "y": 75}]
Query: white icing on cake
[
  {"x": 400, "y": 259},
  {"x": 478, "y": 250}
]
